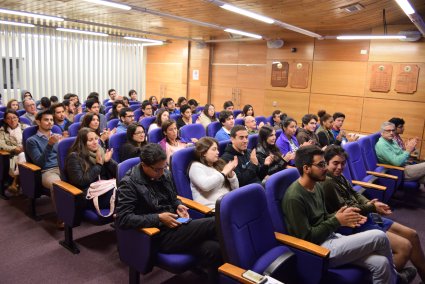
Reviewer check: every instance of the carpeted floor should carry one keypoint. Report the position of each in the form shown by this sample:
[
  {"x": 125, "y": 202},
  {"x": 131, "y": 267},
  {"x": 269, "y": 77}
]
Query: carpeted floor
[{"x": 30, "y": 252}]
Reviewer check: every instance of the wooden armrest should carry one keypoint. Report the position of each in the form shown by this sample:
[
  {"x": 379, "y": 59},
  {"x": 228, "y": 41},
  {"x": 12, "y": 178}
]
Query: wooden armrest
[
  {"x": 149, "y": 231},
  {"x": 234, "y": 272},
  {"x": 195, "y": 205},
  {"x": 30, "y": 166},
  {"x": 381, "y": 175},
  {"x": 68, "y": 187},
  {"x": 4, "y": 153},
  {"x": 301, "y": 244},
  {"x": 391, "y": 167},
  {"x": 369, "y": 185}
]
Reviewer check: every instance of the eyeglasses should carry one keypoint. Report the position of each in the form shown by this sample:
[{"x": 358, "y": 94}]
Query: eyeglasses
[
  {"x": 159, "y": 170},
  {"x": 12, "y": 118},
  {"x": 389, "y": 130},
  {"x": 139, "y": 132},
  {"x": 129, "y": 116},
  {"x": 320, "y": 165}
]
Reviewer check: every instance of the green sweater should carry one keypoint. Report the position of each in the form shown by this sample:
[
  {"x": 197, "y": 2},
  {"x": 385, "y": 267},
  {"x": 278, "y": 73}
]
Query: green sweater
[
  {"x": 305, "y": 214},
  {"x": 388, "y": 152}
]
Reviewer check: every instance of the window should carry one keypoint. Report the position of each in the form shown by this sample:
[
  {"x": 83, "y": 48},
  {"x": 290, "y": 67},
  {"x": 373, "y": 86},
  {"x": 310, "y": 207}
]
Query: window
[{"x": 9, "y": 69}]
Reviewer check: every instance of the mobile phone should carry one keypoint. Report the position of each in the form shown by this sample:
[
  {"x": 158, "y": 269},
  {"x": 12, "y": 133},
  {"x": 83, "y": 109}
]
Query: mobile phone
[
  {"x": 183, "y": 220},
  {"x": 254, "y": 277},
  {"x": 376, "y": 218}
]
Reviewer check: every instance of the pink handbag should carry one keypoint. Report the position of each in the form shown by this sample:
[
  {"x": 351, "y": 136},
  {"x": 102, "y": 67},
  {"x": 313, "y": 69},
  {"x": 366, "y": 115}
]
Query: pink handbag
[{"x": 99, "y": 188}]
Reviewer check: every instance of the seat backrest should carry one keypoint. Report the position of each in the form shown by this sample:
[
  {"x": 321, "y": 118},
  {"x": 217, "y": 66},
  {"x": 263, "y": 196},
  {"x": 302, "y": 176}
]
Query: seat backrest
[
  {"x": 276, "y": 186},
  {"x": 147, "y": 121},
  {"x": 236, "y": 112},
  {"x": 269, "y": 120},
  {"x": 20, "y": 112},
  {"x": 25, "y": 120},
  {"x": 180, "y": 162},
  {"x": 108, "y": 108},
  {"x": 124, "y": 166},
  {"x": 199, "y": 109},
  {"x": 137, "y": 114},
  {"x": 155, "y": 135},
  {"x": 113, "y": 123},
  {"x": 374, "y": 137},
  {"x": 189, "y": 131},
  {"x": 63, "y": 150},
  {"x": 278, "y": 132},
  {"x": 239, "y": 121},
  {"x": 3, "y": 108},
  {"x": 115, "y": 142},
  {"x": 355, "y": 160},
  {"x": 1, "y": 114},
  {"x": 108, "y": 115},
  {"x": 368, "y": 152},
  {"x": 244, "y": 226},
  {"x": 194, "y": 117},
  {"x": 260, "y": 119},
  {"x": 78, "y": 116},
  {"x": 134, "y": 107},
  {"x": 134, "y": 103},
  {"x": 73, "y": 129},
  {"x": 222, "y": 146},
  {"x": 213, "y": 128},
  {"x": 174, "y": 116},
  {"x": 252, "y": 141}
]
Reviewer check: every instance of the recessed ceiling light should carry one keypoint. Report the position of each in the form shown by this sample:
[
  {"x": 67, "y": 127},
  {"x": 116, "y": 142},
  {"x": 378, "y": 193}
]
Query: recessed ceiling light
[
  {"x": 365, "y": 37},
  {"x": 232, "y": 31},
  {"x": 110, "y": 4},
  {"x": 26, "y": 14},
  {"x": 81, "y": 32}
]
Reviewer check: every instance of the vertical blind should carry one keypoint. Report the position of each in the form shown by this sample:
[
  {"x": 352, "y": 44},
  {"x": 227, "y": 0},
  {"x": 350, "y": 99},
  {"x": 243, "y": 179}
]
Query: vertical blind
[{"x": 47, "y": 62}]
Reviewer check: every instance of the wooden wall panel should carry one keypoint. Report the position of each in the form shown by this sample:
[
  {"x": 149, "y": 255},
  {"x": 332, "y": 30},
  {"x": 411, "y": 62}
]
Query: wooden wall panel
[
  {"x": 287, "y": 88},
  {"x": 350, "y": 106},
  {"x": 376, "y": 111},
  {"x": 292, "y": 103},
  {"x": 251, "y": 77},
  {"x": 176, "y": 51},
  {"x": 418, "y": 96},
  {"x": 304, "y": 50},
  {"x": 166, "y": 73},
  {"x": 199, "y": 60},
  {"x": 220, "y": 94},
  {"x": 252, "y": 52},
  {"x": 224, "y": 75},
  {"x": 336, "y": 50},
  {"x": 339, "y": 77},
  {"x": 225, "y": 53},
  {"x": 254, "y": 97}
]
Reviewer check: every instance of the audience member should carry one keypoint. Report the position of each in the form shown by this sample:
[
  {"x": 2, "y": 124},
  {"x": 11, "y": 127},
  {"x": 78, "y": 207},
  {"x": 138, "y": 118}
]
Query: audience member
[
  {"x": 399, "y": 129},
  {"x": 12, "y": 105},
  {"x": 126, "y": 101},
  {"x": 112, "y": 95},
  {"x": 338, "y": 192},
  {"x": 247, "y": 110},
  {"x": 287, "y": 142},
  {"x": 95, "y": 96},
  {"x": 307, "y": 218},
  {"x": 147, "y": 198},
  {"x": 277, "y": 122},
  {"x": 91, "y": 120},
  {"x": 181, "y": 101},
  {"x": 44, "y": 104},
  {"x": 186, "y": 116},
  {"x": 171, "y": 142},
  {"x": 193, "y": 105},
  {"x": 338, "y": 132},
  {"x": 210, "y": 176},
  {"x": 126, "y": 118},
  {"x": 161, "y": 117},
  {"x": 227, "y": 122},
  {"x": 31, "y": 110},
  {"x": 268, "y": 155},
  {"x": 133, "y": 96},
  {"x": 324, "y": 132},
  {"x": 251, "y": 125},
  {"x": 24, "y": 95},
  {"x": 59, "y": 118},
  {"x": 248, "y": 169},
  {"x": 228, "y": 105},
  {"x": 54, "y": 100},
  {"x": 170, "y": 106},
  {"x": 69, "y": 110},
  {"x": 87, "y": 162},
  {"x": 147, "y": 109},
  {"x": 11, "y": 141},
  {"x": 136, "y": 139},
  {"x": 42, "y": 148},
  {"x": 93, "y": 106},
  {"x": 154, "y": 102},
  {"x": 117, "y": 105},
  {"x": 207, "y": 115},
  {"x": 307, "y": 132},
  {"x": 389, "y": 152}
]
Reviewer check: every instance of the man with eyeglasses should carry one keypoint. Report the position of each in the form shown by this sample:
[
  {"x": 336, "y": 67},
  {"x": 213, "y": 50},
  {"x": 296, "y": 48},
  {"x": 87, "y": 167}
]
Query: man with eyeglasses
[
  {"x": 126, "y": 118},
  {"x": 389, "y": 152},
  {"x": 306, "y": 218},
  {"x": 147, "y": 198},
  {"x": 31, "y": 109}
]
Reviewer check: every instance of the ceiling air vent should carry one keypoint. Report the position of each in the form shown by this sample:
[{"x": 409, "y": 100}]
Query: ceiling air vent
[{"x": 352, "y": 8}]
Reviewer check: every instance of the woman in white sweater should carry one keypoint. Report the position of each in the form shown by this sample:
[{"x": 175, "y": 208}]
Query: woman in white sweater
[{"x": 210, "y": 176}]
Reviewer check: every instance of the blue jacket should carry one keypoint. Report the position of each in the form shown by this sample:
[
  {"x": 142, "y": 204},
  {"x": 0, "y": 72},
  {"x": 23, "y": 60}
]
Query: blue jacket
[
  {"x": 222, "y": 135},
  {"x": 283, "y": 144}
]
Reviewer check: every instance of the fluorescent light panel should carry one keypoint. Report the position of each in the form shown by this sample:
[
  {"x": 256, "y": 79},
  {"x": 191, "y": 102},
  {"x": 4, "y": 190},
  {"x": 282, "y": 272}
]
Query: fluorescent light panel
[
  {"x": 144, "y": 39},
  {"x": 359, "y": 37},
  {"x": 25, "y": 14},
  {"x": 152, "y": 44},
  {"x": 16, "y": 24},
  {"x": 232, "y": 31},
  {"x": 81, "y": 32},
  {"x": 247, "y": 13},
  {"x": 405, "y": 6},
  {"x": 110, "y": 4}
]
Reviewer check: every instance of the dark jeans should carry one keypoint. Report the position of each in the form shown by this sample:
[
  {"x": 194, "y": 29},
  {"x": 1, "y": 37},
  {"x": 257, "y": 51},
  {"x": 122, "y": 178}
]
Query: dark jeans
[{"x": 197, "y": 237}]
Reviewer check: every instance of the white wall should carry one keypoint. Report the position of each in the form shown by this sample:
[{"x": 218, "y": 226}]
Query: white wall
[{"x": 56, "y": 63}]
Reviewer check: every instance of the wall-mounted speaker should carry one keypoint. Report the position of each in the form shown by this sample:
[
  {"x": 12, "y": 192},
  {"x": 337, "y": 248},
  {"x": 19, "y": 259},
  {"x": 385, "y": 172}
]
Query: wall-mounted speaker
[{"x": 275, "y": 43}]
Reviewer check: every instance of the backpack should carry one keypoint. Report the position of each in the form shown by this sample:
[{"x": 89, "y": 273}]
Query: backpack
[{"x": 99, "y": 188}]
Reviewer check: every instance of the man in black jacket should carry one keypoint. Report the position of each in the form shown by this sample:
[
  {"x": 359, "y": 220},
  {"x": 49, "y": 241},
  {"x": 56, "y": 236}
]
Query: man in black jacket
[
  {"x": 248, "y": 169},
  {"x": 147, "y": 198}
]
